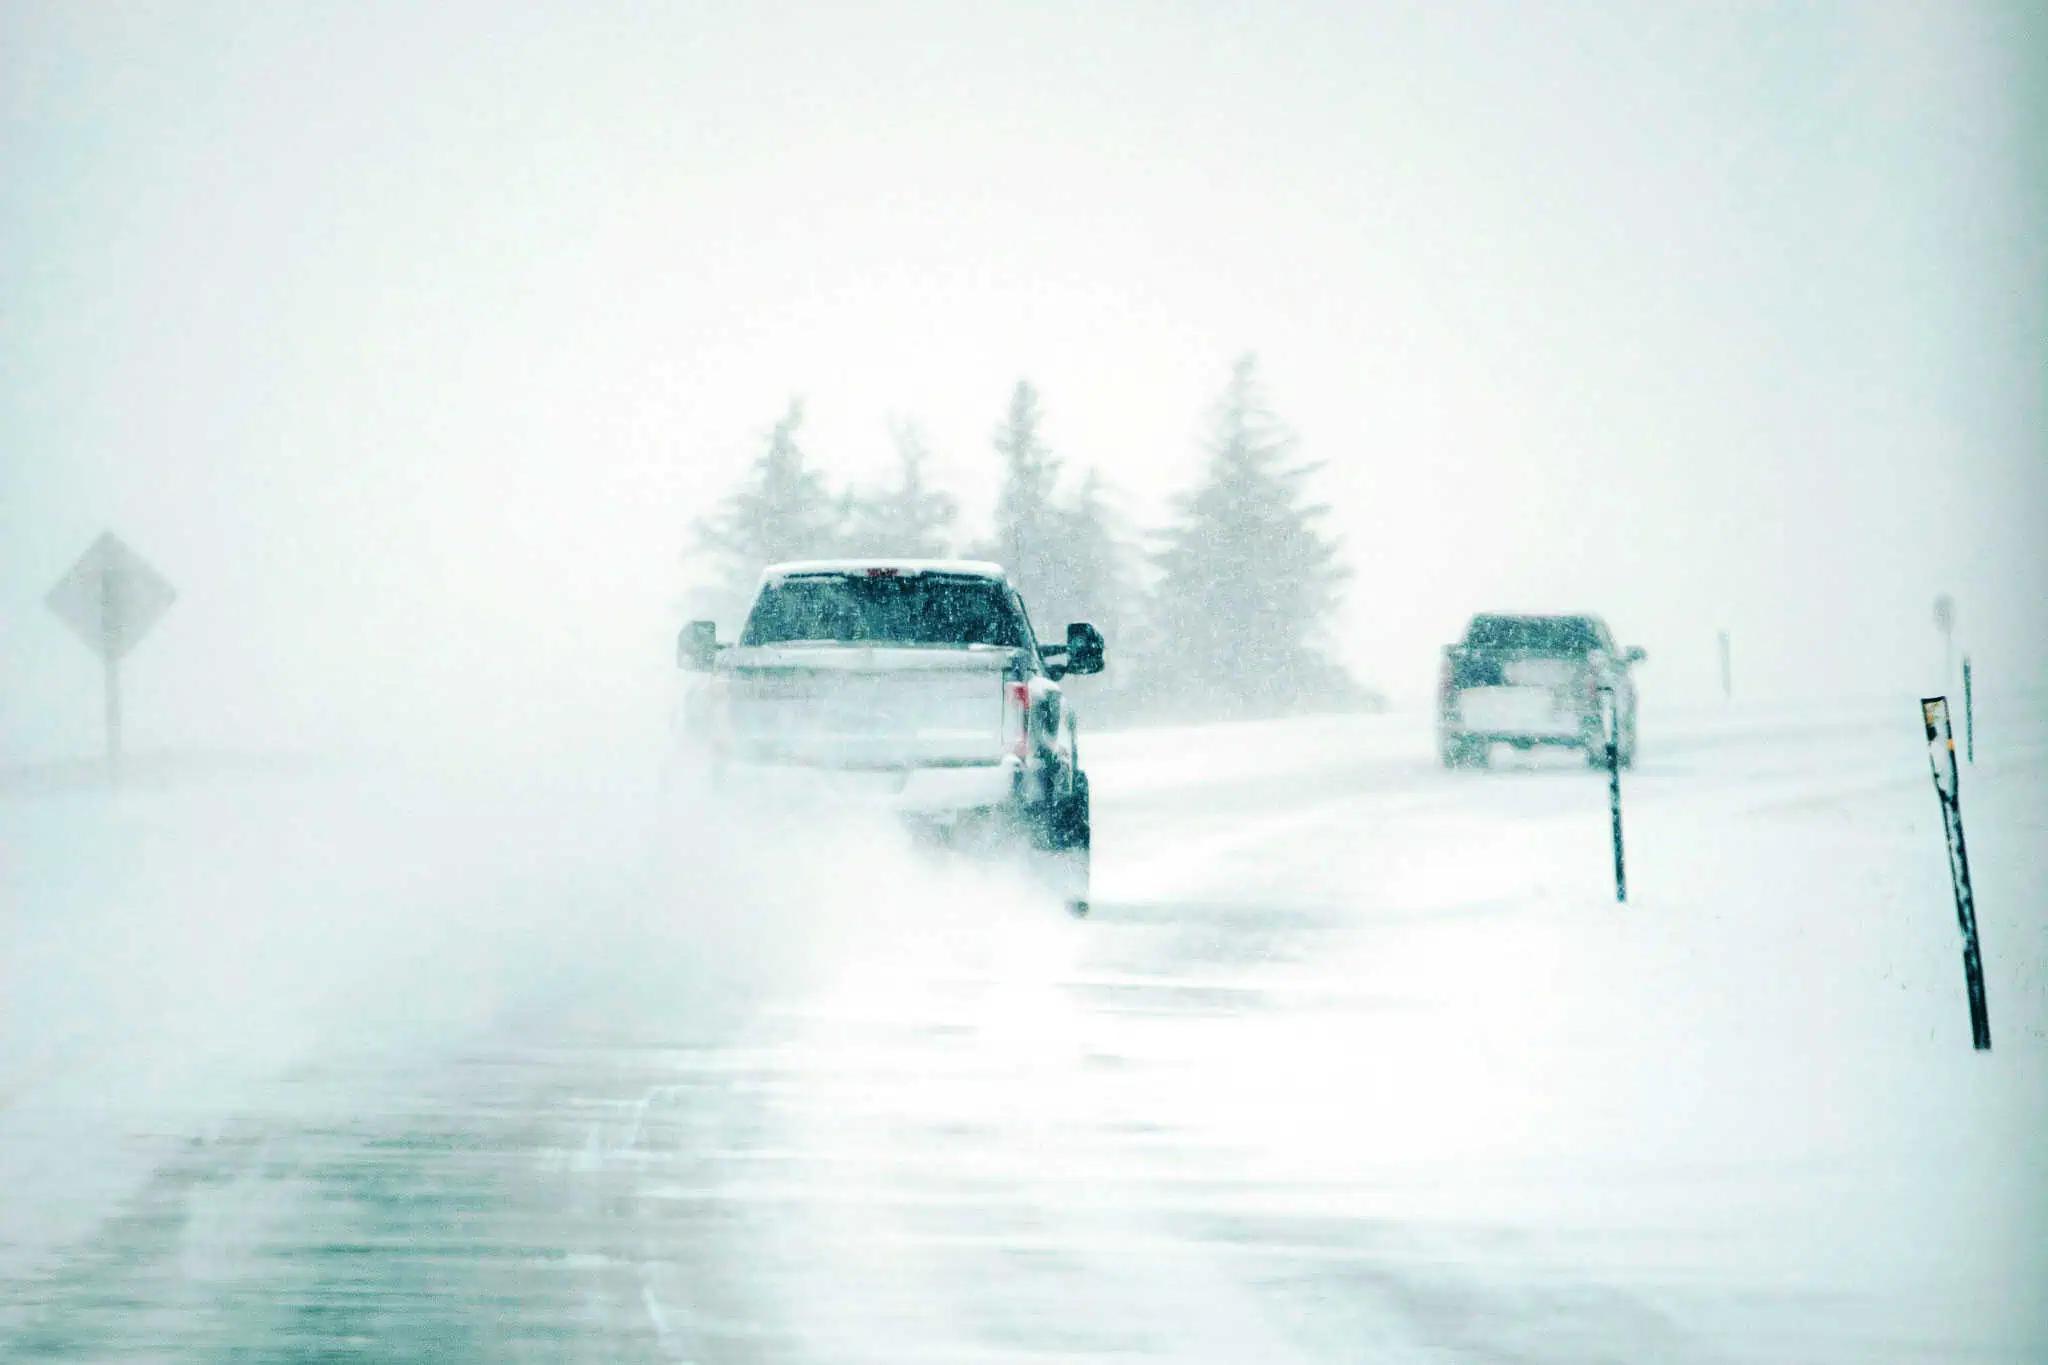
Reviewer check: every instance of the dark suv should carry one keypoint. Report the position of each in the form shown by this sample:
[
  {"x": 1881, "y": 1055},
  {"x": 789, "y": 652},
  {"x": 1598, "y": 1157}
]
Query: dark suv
[{"x": 1530, "y": 680}]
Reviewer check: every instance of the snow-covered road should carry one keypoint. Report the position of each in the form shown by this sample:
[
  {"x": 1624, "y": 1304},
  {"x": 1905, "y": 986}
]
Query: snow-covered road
[{"x": 1356, "y": 1060}]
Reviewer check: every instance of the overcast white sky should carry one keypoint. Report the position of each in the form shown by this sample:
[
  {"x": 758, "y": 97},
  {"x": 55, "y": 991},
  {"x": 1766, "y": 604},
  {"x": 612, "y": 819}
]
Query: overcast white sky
[{"x": 408, "y": 344}]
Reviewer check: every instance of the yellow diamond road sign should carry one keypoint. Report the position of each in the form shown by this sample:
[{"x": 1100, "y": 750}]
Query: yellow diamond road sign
[{"x": 111, "y": 597}]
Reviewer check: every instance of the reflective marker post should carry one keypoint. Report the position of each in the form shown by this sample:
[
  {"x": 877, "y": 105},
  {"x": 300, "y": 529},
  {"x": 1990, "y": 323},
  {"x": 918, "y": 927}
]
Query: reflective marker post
[
  {"x": 1969, "y": 715},
  {"x": 1941, "y": 752},
  {"x": 1610, "y": 721}
]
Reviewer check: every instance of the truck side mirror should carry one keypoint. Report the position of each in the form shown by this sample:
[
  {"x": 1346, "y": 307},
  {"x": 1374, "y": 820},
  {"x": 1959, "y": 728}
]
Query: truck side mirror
[
  {"x": 1633, "y": 655},
  {"x": 697, "y": 646},
  {"x": 1084, "y": 648}
]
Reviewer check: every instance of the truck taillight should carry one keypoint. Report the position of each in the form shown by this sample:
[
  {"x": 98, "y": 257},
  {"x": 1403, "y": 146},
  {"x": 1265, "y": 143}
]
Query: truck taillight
[{"x": 1016, "y": 724}]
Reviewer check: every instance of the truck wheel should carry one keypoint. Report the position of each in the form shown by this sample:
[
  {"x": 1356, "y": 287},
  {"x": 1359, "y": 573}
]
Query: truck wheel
[
  {"x": 1463, "y": 753},
  {"x": 1072, "y": 837}
]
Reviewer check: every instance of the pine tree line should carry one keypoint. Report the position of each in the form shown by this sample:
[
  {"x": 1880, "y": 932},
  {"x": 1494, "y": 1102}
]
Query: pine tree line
[{"x": 1227, "y": 612}]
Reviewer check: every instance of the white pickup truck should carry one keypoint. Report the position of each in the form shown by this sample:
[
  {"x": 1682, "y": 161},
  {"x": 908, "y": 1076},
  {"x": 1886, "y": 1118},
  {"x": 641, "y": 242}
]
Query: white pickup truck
[
  {"x": 913, "y": 685},
  {"x": 1534, "y": 680}
]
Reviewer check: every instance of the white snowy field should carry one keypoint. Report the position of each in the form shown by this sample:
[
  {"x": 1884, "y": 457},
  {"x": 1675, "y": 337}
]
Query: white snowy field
[{"x": 1357, "y": 1059}]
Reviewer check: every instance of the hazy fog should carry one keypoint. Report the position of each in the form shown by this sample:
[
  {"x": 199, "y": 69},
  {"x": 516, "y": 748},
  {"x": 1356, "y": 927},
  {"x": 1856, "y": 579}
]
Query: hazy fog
[{"x": 407, "y": 346}]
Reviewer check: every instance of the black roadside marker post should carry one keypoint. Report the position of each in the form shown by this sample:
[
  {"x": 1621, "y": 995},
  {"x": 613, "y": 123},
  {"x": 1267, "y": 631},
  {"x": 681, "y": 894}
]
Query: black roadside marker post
[
  {"x": 1969, "y": 715},
  {"x": 1941, "y": 752},
  {"x": 1610, "y": 721}
]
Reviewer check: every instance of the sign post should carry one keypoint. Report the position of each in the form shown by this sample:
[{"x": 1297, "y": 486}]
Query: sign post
[
  {"x": 1727, "y": 670},
  {"x": 111, "y": 597},
  {"x": 1941, "y": 752},
  {"x": 1610, "y": 722}
]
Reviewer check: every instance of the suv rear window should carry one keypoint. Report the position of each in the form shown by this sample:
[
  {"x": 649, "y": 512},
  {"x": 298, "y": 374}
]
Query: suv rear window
[
  {"x": 1549, "y": 634},
  {"x": 911, "y": 609}
]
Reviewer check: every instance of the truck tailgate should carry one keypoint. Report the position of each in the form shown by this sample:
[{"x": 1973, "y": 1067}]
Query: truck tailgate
[
  {"x": 840, "y": 707},
  {"x": 1517, "y": 711}
]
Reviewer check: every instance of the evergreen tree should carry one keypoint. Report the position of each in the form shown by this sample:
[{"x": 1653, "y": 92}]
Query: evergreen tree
[
  {"x": 1026, "y": 539},
  {"x": 782, "y": 511},
  {"x": 1064, "y": 555},
  {"x": 1092, "y": 581},
  {"x": 910, "y": 519},
  {"x": 1247, "y": 580}
]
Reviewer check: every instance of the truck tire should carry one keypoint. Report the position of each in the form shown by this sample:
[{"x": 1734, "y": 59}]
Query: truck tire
[
  {"x": 1462, "y": 753},
  {"x": 1070, "y": 838}
]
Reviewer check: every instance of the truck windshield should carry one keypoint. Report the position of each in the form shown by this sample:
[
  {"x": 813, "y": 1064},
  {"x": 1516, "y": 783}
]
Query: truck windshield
[
  {"x": 1548, "y": 634},
  {"x": 919, "y": 609}
]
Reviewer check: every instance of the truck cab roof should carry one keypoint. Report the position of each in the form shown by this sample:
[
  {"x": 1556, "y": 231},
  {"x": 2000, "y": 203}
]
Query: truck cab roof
[
  {"x": 1575, "y": 632},
  {"x": 880, "y": 568}
]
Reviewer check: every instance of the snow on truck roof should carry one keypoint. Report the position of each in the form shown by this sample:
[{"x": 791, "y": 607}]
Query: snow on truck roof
[{"x": 966, "y": 568}]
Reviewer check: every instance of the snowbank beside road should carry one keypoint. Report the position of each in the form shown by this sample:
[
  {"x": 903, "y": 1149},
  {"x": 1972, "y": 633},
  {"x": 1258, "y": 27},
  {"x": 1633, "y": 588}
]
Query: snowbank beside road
[{"x": 1748, "y": 1094}]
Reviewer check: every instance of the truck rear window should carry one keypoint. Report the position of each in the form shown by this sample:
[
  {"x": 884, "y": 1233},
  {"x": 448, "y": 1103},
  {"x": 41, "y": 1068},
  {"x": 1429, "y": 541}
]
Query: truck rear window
[
  {"x": 1545, "y": 634},
  {"x": 913, "y": 609}
]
